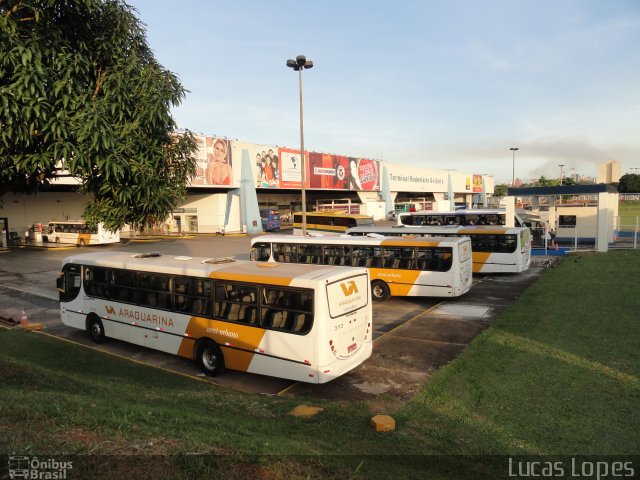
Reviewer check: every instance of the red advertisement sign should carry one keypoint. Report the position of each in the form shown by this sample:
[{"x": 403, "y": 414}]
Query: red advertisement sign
[
  {"x": 477, "y": 183},
  {"x": 328, "y": 171},
  {"x": 364, "y": 174}
]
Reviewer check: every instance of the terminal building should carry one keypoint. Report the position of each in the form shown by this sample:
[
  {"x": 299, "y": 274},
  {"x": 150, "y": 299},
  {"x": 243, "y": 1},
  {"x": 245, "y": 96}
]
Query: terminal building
[{"x": 235, "y": 179}]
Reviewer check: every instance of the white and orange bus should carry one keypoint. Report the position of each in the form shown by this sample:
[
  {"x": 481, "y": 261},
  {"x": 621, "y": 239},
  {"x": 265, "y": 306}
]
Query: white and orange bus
[
  {"x": 79, "y": 233},
  {"x": 434, "y": 267},
  {"x": 308, "y": 323},
  {"x": 495, "y": 249}
]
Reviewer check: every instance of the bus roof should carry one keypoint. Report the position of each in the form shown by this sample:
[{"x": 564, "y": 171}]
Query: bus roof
[
  {"x": 354, "y": 240},
  {"x": 65, "y": 222},
  {"x": 436, "y": 230},
  {"x": 227, "y": 268},
  {"x": 461, "y": 212}
]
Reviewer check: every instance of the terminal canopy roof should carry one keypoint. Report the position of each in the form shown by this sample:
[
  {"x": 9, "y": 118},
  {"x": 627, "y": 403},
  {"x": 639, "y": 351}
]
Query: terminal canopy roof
[{"x": 561, "y": 190}]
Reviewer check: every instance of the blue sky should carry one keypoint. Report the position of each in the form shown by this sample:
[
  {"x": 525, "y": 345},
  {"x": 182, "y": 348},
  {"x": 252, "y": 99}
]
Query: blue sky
[{"x": 437, "y": 84}]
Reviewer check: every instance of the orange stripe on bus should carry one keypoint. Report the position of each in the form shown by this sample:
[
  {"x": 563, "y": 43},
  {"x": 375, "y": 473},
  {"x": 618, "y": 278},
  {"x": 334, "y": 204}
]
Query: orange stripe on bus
[
  {"x": 241, "y": 336},
  {"x": 399, "y": 281},
  {"x": 479, "y": 260},
  {"x": 407, "y": 242},
  {"x": 84, "y": 236},
  {"x": 494, "y": 231},
  {"x": 243, "y": 277}
]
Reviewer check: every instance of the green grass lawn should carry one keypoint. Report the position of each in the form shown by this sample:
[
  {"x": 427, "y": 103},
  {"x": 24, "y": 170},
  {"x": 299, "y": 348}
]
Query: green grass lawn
[
  {"x": 557, "y": 374},
  {"x": 629, "y": 212}
]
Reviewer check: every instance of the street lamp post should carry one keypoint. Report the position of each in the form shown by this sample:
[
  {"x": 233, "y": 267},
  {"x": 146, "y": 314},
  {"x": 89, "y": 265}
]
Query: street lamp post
[
  {"x": 560, "y": 165},
  {"x": 298, "y": 65},
  {"x": 513, "y": 170}
]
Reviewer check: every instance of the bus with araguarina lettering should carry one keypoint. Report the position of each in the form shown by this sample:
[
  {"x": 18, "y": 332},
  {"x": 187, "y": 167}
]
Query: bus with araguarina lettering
[{"x": 309, "y": 323}]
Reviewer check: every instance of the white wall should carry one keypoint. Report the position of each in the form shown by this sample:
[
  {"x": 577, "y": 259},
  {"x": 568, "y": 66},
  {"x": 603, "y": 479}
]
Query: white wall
[{"x": 25, "y": 210}]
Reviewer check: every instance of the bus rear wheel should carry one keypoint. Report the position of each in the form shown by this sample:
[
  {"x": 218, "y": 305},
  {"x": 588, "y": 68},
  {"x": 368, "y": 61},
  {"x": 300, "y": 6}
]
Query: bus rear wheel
[
  {"x": 81, "y": 243},
  {"x": 95, "y": 329},
  {"x": 379, "y": 290},
  {"x": 209, "y": 358}
]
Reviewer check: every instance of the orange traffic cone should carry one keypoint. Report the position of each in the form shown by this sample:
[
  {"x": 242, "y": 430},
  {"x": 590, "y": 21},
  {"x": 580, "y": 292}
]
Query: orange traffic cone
[{"x": 24, "y": 322}]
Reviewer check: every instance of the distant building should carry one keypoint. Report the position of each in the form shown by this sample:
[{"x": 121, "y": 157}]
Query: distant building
[
  {"x": 582, "y": 179},
  {"x": 609, "y": 172}
]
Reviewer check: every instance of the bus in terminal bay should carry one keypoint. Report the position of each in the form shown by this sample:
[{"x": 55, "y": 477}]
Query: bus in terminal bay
[
  {"x": 79, "y": 233},
  {"x": 330, "y": 222},
  {"x": 495, "y": 249},
  {"x": 309, "y": 323},
  {"x": 434, "y": 267},
  {"x": 458, "y": 217}
]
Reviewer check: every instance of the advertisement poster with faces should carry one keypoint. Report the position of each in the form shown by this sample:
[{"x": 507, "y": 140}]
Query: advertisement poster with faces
[
  {"x": 213, "y": 162},
  {"x": 266, "y": 165},
  {"x": 276, "y": 167}
]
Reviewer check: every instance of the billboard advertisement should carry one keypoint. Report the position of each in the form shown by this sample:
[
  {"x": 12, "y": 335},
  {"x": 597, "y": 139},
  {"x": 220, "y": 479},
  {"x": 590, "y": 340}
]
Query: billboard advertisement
[
  {"x": 281, "y": 167},
  {"x": 364, "y": 174},
  {"x": 214, "y": 162},
  {"x": 267, "y": 166},
  {"x": 291, "y": 168},
  {"x": 328, "y": 171},
  {"x": 477, "y": 183}
]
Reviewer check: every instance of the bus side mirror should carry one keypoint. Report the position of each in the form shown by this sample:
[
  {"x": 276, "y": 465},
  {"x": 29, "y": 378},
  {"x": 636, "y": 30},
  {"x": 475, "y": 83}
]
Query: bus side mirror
[{"x": 60, "y": 283}]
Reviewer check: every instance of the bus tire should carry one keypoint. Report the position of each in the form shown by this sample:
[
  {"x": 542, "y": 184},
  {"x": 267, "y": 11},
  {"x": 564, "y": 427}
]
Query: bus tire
[
  {"x": 57, "y": 239},
  {"x": 95, "y": 329},
  {"x": 81, "y": 243},
  {"x": 379, "y": 290},
  {"x": 209, "y": 357}
]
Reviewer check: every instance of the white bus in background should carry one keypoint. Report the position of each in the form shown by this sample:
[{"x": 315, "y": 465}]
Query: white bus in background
[
  {"x": 457, "y": 217},
  {"x": 79, "y": 233},
  {"x": 308, "y": 323},
  {"x": 465, "y": 217},
  {"x": 494, "y": 249},
  {"x": 433, "y": 267}
]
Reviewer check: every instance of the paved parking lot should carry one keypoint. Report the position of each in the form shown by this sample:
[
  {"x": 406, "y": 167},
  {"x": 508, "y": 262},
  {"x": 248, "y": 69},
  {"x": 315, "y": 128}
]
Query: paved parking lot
[{"x": 412, "y": 336}]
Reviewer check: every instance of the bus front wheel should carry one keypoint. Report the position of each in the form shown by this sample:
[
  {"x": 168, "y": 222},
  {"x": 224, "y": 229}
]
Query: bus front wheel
[
  {"x": 209, "y": 357},
  {"x": 81, "y": 243},
  {"x": 95, "y": 329},
  {"x": 379, "y": 290}
]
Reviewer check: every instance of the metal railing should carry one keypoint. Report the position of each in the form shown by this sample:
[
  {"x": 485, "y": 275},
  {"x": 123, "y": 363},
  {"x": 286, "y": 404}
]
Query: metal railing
[{"x": 623, "y": 234}]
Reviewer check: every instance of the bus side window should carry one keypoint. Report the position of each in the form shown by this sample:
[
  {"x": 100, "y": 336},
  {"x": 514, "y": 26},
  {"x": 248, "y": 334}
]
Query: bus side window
[
  {"x": 442, "y": 259},
  {"x": 260, "y": 252}
]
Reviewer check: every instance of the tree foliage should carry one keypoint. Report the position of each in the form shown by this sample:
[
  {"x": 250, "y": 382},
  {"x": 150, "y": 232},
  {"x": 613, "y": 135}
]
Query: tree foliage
[
  {"x": 629, "y": 183},
  {"x": 500, "y": 190},
  {"x": 81, "y": 93}
]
